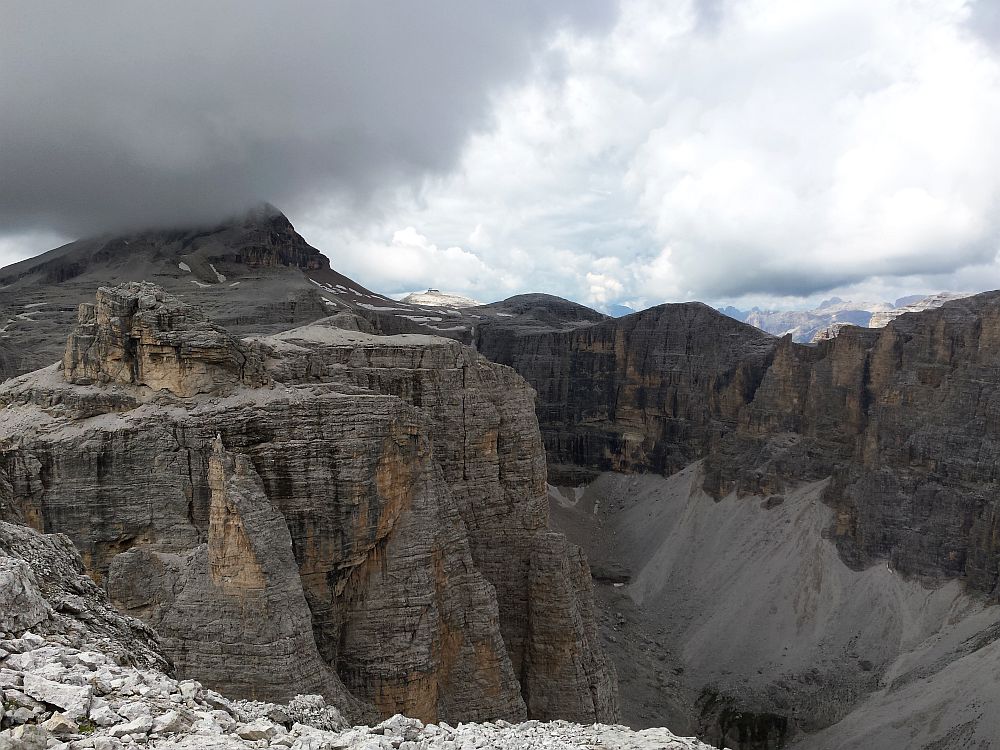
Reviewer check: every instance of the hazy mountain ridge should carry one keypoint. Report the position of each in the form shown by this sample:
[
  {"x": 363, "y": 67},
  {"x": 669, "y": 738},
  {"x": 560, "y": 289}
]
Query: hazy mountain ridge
[{"x": 832, "y": 314}]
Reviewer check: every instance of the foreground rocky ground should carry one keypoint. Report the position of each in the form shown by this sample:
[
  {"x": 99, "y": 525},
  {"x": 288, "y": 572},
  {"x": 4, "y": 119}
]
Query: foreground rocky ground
[{"x": 56, "y": 696}]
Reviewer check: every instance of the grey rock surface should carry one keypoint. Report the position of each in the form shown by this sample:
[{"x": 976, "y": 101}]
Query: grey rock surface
[
  {"x": 648, "y": 392},
  {"x": 409, "y": 477},
  {"x": 133, "y": 708},
  {"x": 51, "y": 595},
  {"x": 137, "y": 334}
]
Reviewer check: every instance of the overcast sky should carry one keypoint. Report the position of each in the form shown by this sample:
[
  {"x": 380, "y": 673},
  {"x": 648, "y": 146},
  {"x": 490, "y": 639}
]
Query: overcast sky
[{"x": 767, "y": 152}]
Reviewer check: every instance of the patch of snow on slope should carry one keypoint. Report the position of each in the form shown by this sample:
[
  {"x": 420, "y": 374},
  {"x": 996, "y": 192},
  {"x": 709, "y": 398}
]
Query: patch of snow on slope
[
  {"x": 436, "y": 298},
  {"x": 378, "y": 308},
  {"x": 421, "y": 318}
]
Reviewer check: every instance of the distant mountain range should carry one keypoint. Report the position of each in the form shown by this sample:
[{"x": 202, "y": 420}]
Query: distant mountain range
[{"x": 832, "y": 314}]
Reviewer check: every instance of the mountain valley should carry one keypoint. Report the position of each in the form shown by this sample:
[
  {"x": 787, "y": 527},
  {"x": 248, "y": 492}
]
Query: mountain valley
[{"x": 521, "y": 510}]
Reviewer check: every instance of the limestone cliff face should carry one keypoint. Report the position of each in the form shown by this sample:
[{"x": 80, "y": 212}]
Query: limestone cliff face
[
  {"x": 902, "y": 419},
  {"x": 388, "y": 492},
  {"x": 648, "y": 392},
  {"x": 238, "y": 597},
  {"x": 137, "y": 334},
  {"x": 905, "y": 421},
  {"x": 491, "y": 457}
]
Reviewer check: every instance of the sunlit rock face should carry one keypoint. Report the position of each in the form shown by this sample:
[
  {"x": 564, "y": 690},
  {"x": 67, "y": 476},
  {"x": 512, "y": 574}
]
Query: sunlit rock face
[{"x": 137, "y": 334}]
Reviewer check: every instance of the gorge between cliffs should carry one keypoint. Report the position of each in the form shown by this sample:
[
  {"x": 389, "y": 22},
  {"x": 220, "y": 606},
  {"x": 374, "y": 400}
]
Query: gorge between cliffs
[{"x": 225, "y": 463}]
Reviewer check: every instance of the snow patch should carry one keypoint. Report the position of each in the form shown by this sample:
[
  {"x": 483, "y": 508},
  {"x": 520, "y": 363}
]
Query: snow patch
[
  {"x": 377, "y": 308},
  {"x": 421, "y": 318},
  {"x": 437, "y": 298}
]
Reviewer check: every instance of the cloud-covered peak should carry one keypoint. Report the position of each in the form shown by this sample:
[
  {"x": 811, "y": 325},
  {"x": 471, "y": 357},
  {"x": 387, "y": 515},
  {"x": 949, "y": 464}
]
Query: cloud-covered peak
[
  {"x": 764, "y": 152},
  {"x": 131, "y": 114}
]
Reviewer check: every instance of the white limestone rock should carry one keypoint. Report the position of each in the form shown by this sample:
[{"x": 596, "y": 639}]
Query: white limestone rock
[{"x": 73, "y": 700}]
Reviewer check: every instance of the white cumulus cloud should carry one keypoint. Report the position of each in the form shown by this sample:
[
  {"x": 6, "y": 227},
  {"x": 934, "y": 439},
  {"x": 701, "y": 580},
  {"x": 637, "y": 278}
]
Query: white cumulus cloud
[{"x": 763, "y": 150}]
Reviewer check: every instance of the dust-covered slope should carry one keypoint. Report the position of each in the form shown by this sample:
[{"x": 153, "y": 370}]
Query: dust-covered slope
[{"x": 762, "y": 631}]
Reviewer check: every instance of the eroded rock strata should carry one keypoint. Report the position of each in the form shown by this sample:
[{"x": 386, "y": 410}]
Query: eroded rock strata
[
  {"x": 903, "y": 419},
  {"x": 403, "y": 475},
  {"x": 648, "y": 392},
  {"x": 892, "y": 433}
]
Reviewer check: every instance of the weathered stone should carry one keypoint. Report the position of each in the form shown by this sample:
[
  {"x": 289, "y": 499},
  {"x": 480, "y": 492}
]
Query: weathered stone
[
  {"x": 172, "y": 722},
  {"x": 23, "y": 604},
  {"x": 260, "y": 729},
  {"x": 27, "y": 737},
  {"x": 138, "y": 334},
  {"x": 47, "y": 565},
  {"x": 104, "y": 716},
  {"x": 74, "y": 701},
  {"x": 136, "y": 727},
  {"x": 406, "y": 472},
  {"x": 60, "y": 725}
]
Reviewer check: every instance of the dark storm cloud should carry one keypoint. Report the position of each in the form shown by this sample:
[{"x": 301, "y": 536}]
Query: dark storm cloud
[{"x": 122, "y": 113}]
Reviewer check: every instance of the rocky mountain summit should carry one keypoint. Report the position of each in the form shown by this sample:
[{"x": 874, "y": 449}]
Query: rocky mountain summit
[
  {"x": 362, "y": 517},
  {"x": 437, "y": 298},
  {"x": 253, "y": 274}
]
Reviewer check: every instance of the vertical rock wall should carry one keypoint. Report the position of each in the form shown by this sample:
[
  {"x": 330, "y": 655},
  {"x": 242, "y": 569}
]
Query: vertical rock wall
[{"x": 404, "y": 474}]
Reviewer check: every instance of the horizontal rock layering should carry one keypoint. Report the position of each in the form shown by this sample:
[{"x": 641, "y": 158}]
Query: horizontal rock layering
[
  {"x": 903, "y": 419},
  {"x": 385, "y": 494}
]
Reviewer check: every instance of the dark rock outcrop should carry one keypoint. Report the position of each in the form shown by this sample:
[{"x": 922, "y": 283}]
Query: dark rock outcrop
[
  {"x": 651, "y": 391},
  {"x": 905, "y": 421}
]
